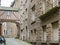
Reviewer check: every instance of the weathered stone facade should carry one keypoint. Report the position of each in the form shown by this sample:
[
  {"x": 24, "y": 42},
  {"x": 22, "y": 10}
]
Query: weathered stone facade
[{"x": 32, "y": 25}]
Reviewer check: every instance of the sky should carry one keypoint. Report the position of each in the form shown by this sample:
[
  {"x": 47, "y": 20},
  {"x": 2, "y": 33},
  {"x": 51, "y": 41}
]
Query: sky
[{"x": 6, "y": 3}]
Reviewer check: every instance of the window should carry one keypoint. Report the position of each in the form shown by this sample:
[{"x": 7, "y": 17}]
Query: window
[
  {"x": 55, "y": 31},
  {"x": 35, "y": 31},
  {"x": 59, "y": 3},
  {"x": 26, "y": 1},
  {"x": 25, "y": 19},
  {"x": 31, "y": 0},
  {"x": 26, "y": 9},
  {"x": 22, "y": 30},
  {"x": 44, "y": 33},
  {"x": 23, "y": 12},
  {"x": 21, "y": 1},
  {"x": 33, "y": 8},
  {"x": 33, "y": 17},
  {"x": 8, "y": 13},
  {"x": 26, "y": 27},
  {"x": 31, "y": 31},
  {"x": 6, "y": 32}
]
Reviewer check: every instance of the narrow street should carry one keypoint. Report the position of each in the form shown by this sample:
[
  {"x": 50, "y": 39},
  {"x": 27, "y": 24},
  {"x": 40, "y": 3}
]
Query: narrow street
[{"x": 12, "y": 41}]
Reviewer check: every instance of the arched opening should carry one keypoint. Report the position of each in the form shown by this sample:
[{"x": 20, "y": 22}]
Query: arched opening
[{"x": 10, "y": 29}]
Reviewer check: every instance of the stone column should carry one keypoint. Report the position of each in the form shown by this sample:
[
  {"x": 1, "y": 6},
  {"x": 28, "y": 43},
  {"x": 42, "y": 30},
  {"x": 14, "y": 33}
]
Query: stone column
[
  {"x": 19, "y": 23},
  {"x": 59, "y": 31},
  {"x": 59, "y": 22},
  {"x": 28, "y": 20},
  {"x": 39, "y": 32},
  {"x": 38, "y": 13},
  {"x": 49, "y": 33},
  {"x": 18, "y": 28}
]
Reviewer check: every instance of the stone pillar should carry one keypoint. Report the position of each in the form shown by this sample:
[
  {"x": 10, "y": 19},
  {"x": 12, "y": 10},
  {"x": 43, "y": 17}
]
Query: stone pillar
[
  {"x": 59, "y": 22},
  {"x": 38, "y": 13},
  {"x": 18, "y": 28},
  {"x": 59, "y": 31},
  {"x": 19, "y": 23},
  {"x": 28, "y": 20},
  {"x": 39, "y": 32},
  {"x": 49, "y": 33}
]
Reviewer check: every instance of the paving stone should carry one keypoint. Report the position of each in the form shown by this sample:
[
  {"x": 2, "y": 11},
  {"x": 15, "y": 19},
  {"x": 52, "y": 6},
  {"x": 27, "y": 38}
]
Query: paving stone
[{"x": 12, "y": 41}]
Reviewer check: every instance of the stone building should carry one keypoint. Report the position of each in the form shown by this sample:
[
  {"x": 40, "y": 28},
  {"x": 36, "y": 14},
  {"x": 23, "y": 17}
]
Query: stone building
[
  {"x": 49, "y": 24},
  {"x": 28, "y": 17},
  {"x": 39, "y": 21},
  {"x": 7, "y": 27}
]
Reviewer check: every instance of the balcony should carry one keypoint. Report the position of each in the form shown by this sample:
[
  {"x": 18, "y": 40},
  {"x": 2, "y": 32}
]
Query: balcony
[{"x": 50, "y": 12}]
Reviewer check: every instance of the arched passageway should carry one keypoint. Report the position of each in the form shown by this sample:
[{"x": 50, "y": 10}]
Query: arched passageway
[
  {"x": 10, "y": 15},
  {"x": 10, "y": 29}
]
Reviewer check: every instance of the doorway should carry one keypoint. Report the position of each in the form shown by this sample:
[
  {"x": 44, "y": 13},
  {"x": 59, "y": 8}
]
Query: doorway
[{"x": 0, "y": 29}]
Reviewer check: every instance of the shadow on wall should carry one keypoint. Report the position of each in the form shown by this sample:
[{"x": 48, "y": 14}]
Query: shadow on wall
[{"x": 50, "y": 43}]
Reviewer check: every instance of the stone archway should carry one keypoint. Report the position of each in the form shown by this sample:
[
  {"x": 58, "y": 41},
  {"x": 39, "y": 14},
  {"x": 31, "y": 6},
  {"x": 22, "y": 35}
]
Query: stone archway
[
  {"x": 10, "y": 15},
  {"x": 17, "y": 26}
]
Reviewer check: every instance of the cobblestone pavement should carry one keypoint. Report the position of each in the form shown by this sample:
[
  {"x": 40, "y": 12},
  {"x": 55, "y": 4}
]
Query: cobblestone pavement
[{"x": 12, "y": 41}]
